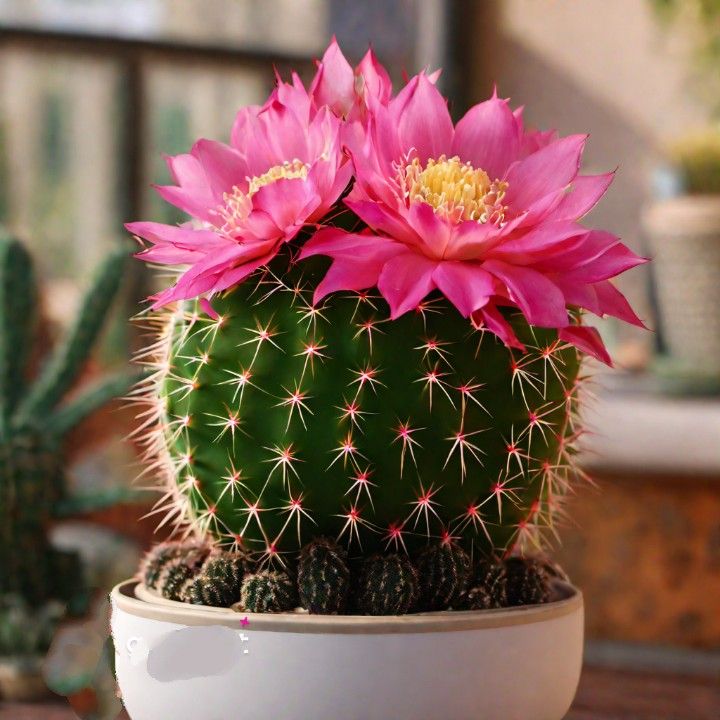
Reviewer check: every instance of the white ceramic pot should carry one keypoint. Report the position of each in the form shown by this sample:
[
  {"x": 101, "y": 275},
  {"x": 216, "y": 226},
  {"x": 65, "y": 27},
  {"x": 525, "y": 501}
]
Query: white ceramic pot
[{"x": 191, "y": 663}]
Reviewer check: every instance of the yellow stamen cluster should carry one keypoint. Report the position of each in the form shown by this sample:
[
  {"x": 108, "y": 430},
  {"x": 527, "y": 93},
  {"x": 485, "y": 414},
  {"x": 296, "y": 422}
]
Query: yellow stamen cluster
[
  {"x": 237, "y": 203},
  {"x": 455, "y": 189}
]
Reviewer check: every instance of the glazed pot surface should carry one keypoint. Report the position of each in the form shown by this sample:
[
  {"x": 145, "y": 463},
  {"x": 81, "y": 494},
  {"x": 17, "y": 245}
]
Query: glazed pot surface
[{"x": 186, "y": 663}]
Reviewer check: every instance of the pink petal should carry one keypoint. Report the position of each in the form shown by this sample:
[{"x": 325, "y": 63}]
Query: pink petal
[
  {"x": 405, "y": 280},
  {"x": 175, "y": 245},
  {"x": 538, "y": 243},
  {"x": 613, "y": 302},
  {"x": 433, "y": 230},
  {"x": 377, "y": 84},
  {"x": 334, "y": 82},
  {"x": 586, "y": 339},
  {"x": 614, "y": 261},
  {"x": 584, "y": 194},
  {"x": 382, "y": 219},
  {"x": 551, "y": 168},
  {"x": 487, "y": 136},
  {"x": 242, "y": 125},
  {"x": 424, "y": 124},
  {"x": 208, "y": 309},
  {"x": 289, "y": 202},
  {"x": 467, "y": 286},
  {"x": 334, "y": 242},
  {"x": 223, "y": 166},
  {"x": 542, "y": 302},
  {"x": 491, "y": 318}
]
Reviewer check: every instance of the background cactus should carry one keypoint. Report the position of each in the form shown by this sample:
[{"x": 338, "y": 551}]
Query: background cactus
[
  {"x": 33, "y": 422},
  {"x": 268, "y": 591},
  {"x": 280, "y": 421},
  {"x": 212, "y": 591},
  {"x": 526, "y": 581}
]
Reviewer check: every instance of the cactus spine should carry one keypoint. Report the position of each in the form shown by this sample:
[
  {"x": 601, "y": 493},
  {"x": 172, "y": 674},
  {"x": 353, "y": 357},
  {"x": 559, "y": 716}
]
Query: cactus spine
[
  {"x": 33, "y": 422},
  {"x": 279, "y": 421}
]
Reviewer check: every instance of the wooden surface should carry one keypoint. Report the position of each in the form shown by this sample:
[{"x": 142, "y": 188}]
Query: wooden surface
[{"x": 604, "y": 695}]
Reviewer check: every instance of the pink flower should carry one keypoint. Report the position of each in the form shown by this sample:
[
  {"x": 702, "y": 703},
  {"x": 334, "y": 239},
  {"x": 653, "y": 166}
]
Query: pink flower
[
  {"x": 347, "y": 92},
  {"x": 284, "y": 169},
  {"x": 484, "y": 212}
]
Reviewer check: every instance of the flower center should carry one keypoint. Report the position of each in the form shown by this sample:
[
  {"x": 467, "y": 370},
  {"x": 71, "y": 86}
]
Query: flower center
[
  {"x": 455, "y": 189},
  {"x": 237, "y": 203}
]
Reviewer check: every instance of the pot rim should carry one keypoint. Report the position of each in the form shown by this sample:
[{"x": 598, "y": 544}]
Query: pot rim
[{"x": 570, "y": 602}]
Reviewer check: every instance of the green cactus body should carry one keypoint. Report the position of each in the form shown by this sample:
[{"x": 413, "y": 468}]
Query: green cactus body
[
  {"x": 386, "y": 585},
  {"x": 155, "y": 560},
  {"x": 488, "y": 583},
  {"x": 280, "y": 422},
  {"x": 33, "y": 422},
  {"x": 444, "y": 571},
  {"x": 267, "y": 592},
  {"x": 323, "y": 577}
]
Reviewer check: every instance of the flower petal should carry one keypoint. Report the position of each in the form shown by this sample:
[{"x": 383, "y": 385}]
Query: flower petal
[
  {"x": 405, "y": 280},
  {"x": 586, "y": 339},
  {"x": 550, "y": 168},
  {"x": 466, "y": 285},
  {"x": 487, "y": 136},
  {"x": 334, "y": 82},
  {"x": 491, "y": 318},
  {"x": 584, "y": 194},
  {"x": 542, "y": 302}
]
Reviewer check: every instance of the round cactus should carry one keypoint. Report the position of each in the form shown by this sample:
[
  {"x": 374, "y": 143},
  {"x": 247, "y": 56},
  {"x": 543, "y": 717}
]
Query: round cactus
[
  {"x": 527, "y": 581},
  {"x": 212, "y": 591},
  {"x": 443, "y": 571},
  {"x": 173, "y": 578},
  {"x": 267, "y": 592},
  {"x": 281, "y": 421},
  {"x": 386, "y": 585},
  {"x": 323, "y": 577},
  {"x": 231, "y": 568},
  {"x": 488, "y": 580},
  {"x": 155, "y": 560}
]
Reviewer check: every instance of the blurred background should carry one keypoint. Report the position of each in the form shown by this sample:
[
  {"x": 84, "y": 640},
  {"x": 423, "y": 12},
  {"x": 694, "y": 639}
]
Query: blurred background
[{"x": 93, "y": 92}]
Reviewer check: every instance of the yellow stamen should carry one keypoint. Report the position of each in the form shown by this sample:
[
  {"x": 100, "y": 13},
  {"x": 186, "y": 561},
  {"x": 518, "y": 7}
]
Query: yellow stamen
[
  {"x": 237, "y": 202},
  {"x": 455, "y": 189}
]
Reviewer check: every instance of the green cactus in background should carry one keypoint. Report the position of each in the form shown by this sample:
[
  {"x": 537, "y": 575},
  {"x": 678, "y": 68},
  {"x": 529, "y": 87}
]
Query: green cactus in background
[
  {"x": 323, "y": 577},
  {"x": 174, "y": 577},
  {"x": 231, "y": 568},
  {"x": 386, "y": 585},
  {"x": 444, "y": 571},
  {"x": 33, "y": 421},
  {"x": 487, "y": 586},
  {"x": 279, "y": 422},
  {"x": 268, "y": 591}
]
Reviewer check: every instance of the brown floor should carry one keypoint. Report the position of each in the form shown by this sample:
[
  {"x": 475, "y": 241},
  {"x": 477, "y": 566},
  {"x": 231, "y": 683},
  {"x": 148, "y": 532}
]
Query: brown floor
[{"x": 603, "y": 695}]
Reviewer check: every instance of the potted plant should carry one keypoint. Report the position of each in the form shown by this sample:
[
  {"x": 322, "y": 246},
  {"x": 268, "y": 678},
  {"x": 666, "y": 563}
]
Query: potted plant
[
  {"x": 35, "y": 417},
  {"x": 363, "y": 410},
  {"x": 684, "y": 229},
  {"x": 684, "y": 237}
]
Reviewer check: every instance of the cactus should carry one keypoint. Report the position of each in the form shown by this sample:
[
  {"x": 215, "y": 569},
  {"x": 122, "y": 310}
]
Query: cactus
[
  {"x": 279, "y": 421},
  {"x": 386, "y": 585},
  {"x": 323, "y": 577},
  {"x": 173, "y": 578},
  {"x": 155, "y": 560},
  {"x": 526, "y": 581},
  {"x": 230, "y": 568},
  {"x": 212, "y": 591},
  {"x": 487, "y": 586},
  {"x": 444, "y": 572},
  {"x": 268, "y": 592},
  {"x": 33, "y": 422}
]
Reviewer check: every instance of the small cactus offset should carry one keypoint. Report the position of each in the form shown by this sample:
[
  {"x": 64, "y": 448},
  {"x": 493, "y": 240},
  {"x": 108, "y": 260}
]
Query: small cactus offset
[
  {"x": 444, "y": 572},
  {"x": 386, "y": 585},
  {"x": 173, "y": 578},
  {"x": 268, "y": 591},
  {"x": 229, "y": 567},
  {"x": 33, "y": 422},
  {"x": 156, "y": 560},
  {"x": 323, "y": 577},
  {"x": 487, "y": 587},
  {"x": 212, "y": 591},
  {"x": 526, "y": 581}
]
